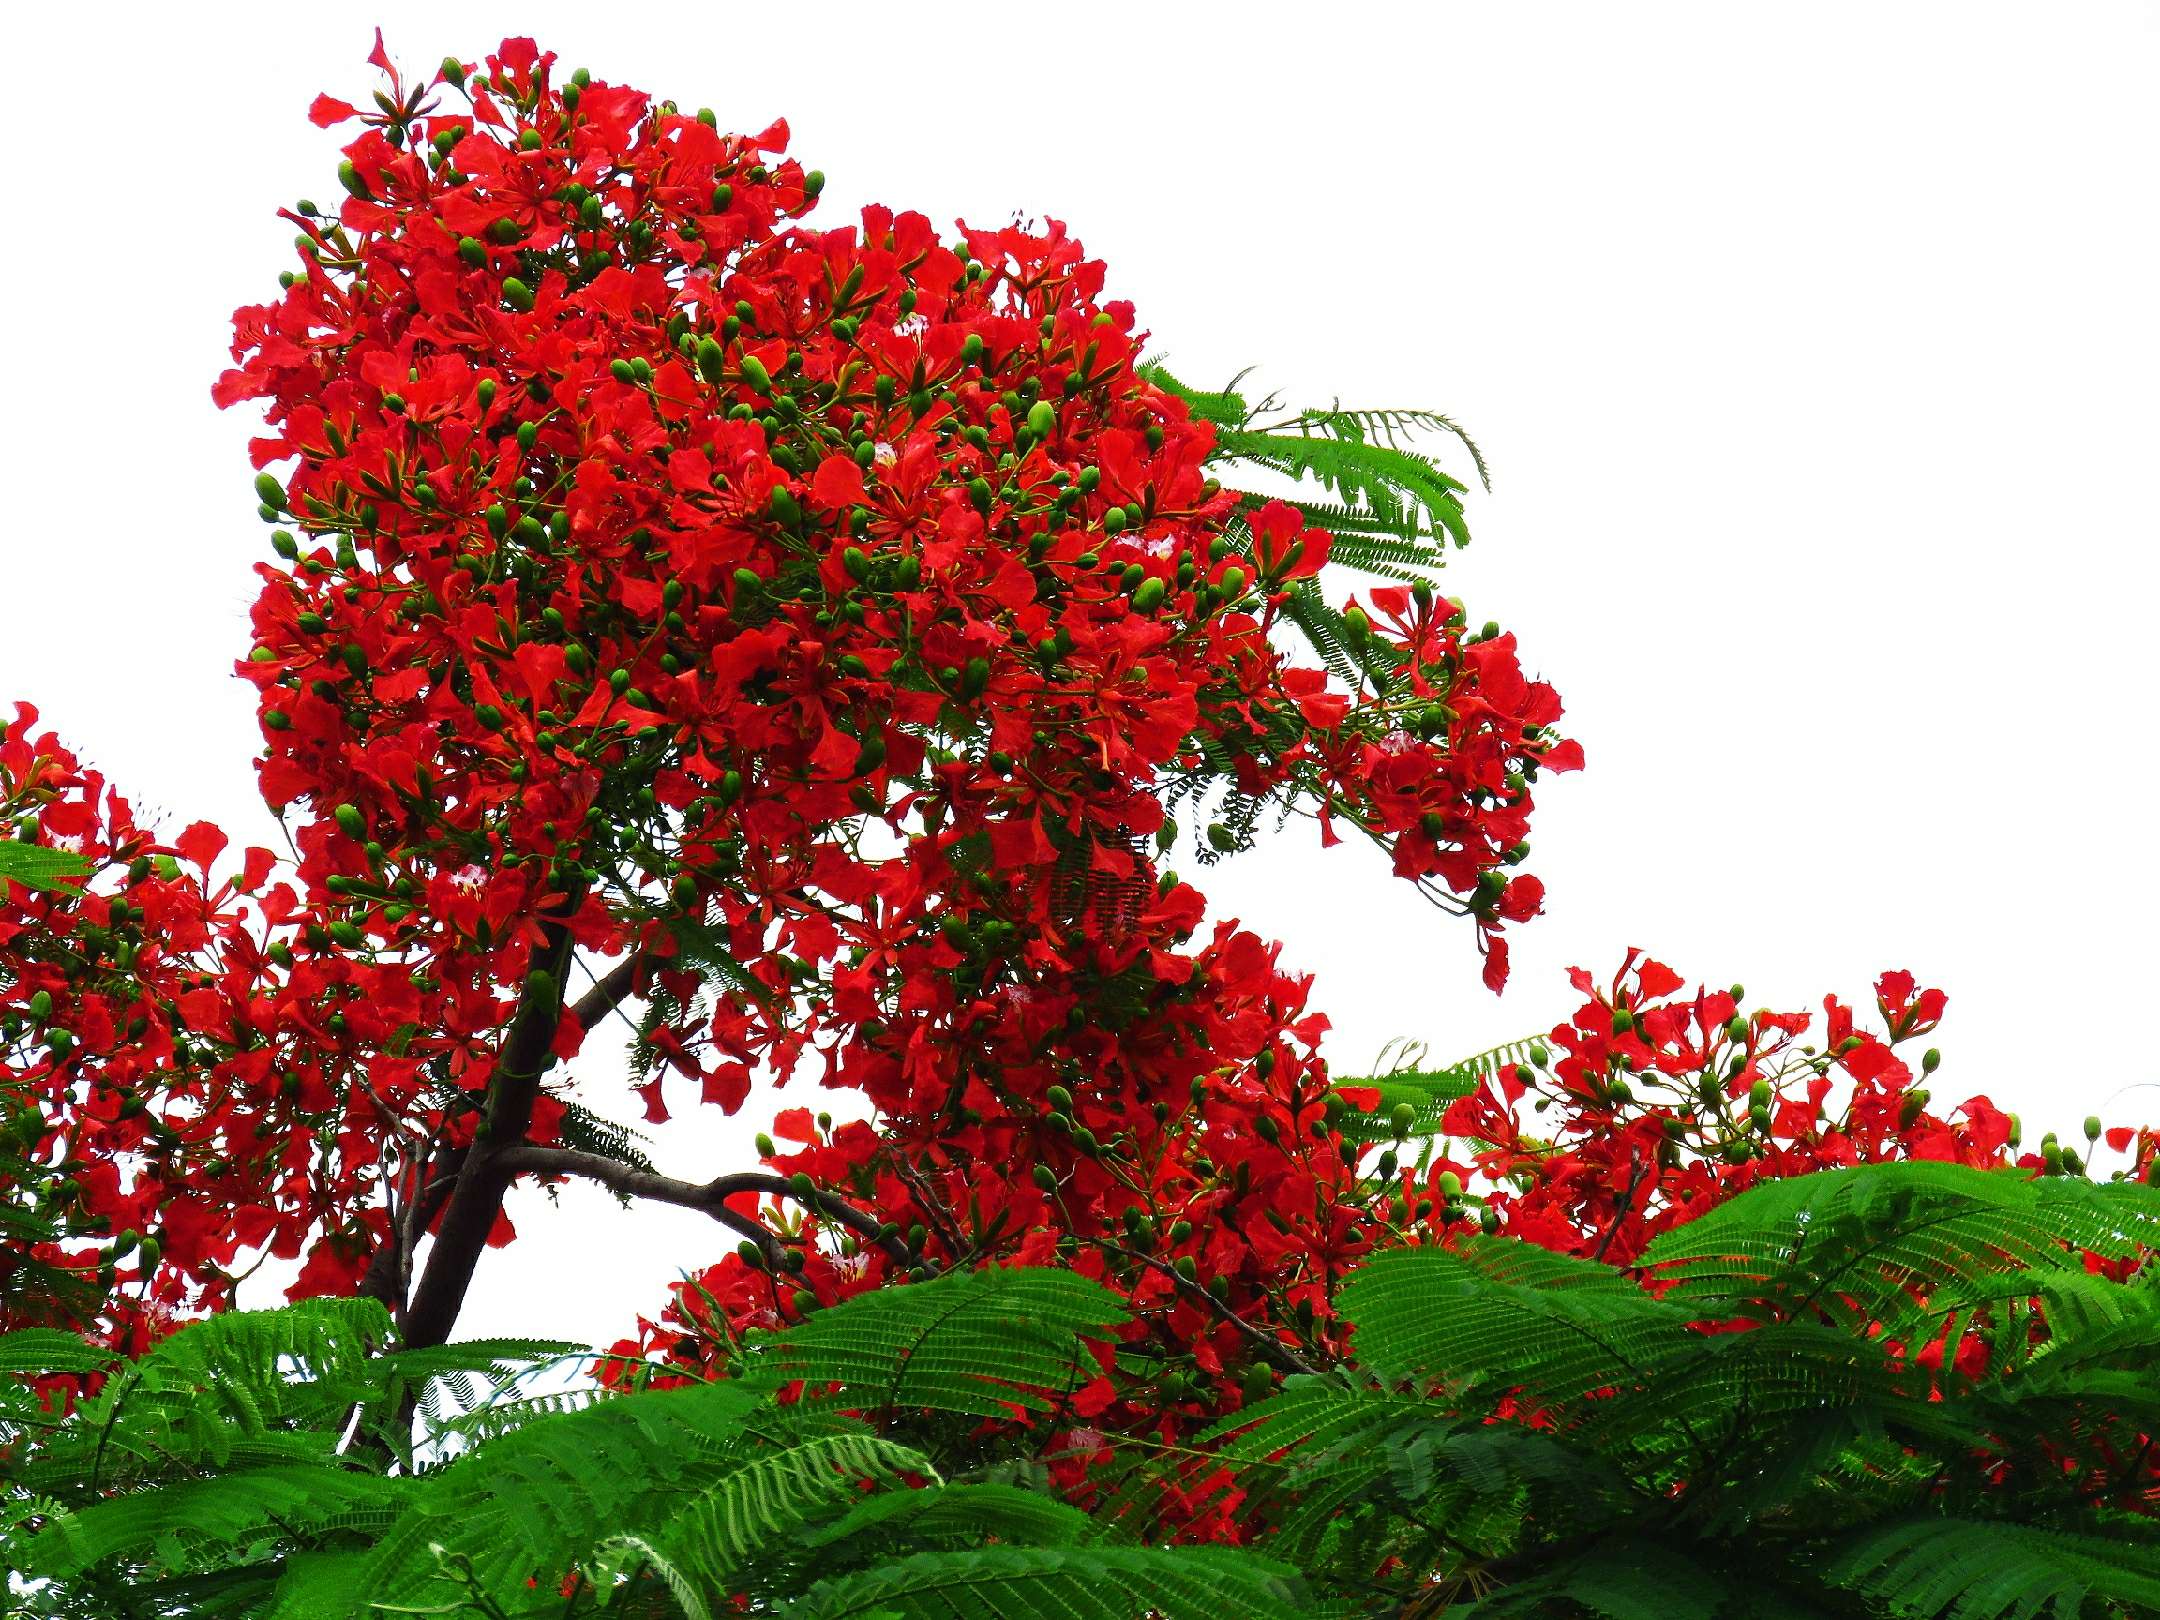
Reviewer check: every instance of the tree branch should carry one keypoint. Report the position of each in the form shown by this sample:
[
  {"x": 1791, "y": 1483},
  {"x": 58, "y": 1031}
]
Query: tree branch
[
  {"x": 608, "y": 992},
  {"x": 710, "y": 1197},
  {"x": 476, "y": 1200}
]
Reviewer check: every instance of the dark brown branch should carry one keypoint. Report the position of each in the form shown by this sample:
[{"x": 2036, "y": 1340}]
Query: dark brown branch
[
  {"x": 386, "y": 1273},
  {"x": 709, "y": 1197},
  {"x": 608, "y": 992},
  {"x": 476, "y": 1201}
]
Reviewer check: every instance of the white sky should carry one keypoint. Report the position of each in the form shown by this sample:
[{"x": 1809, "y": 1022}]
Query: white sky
[{"x": 1815, "y": 349}]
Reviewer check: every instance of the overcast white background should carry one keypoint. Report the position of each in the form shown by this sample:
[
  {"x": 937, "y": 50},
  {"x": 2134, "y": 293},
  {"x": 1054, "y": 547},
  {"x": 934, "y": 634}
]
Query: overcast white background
[{"x": 1814, "y": 347}]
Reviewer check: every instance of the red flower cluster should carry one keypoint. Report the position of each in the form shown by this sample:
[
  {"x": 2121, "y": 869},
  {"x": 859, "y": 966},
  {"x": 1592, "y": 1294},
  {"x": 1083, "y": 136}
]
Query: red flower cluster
[
  {"x": 158, "y": 1065},
  {"x": 1649, "y": 1107}
]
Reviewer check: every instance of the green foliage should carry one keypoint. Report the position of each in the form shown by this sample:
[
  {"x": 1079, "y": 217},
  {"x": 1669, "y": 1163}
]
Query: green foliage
[
  {"x": 253, "y": 1466},
  {"x": 36, "y": 867},
  {"x": 1391, "y": 509},
  {"x": 1517, "y": 1433},
  {"x": 1642, "y": 1468}
]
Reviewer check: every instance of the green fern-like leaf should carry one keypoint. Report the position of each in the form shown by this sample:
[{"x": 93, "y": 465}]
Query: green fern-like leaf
[
  {"x": 1058, "y": 1583},
  {"x": 980, "y": 1343},
  {"x": 36, "y": 867}
]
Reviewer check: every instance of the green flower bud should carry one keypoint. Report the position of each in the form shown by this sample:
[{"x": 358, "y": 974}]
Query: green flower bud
[
  {"x": 517, "y": 295},
  {"x": 473, "y": 251}
]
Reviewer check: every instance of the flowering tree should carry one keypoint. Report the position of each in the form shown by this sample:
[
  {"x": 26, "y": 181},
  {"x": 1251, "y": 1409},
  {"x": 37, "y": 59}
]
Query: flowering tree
[
  {"x": 799, "y": 641},
  {"x": 792, "y": 634}
]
